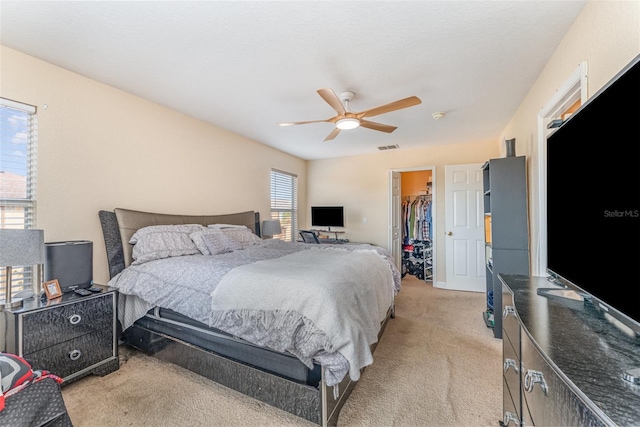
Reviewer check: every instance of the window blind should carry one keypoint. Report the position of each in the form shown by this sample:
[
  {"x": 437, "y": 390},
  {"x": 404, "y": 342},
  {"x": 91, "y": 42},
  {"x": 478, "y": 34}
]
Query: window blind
[
  {"x": 18, "y": 170},
  {"x": 284, "y": 203}
]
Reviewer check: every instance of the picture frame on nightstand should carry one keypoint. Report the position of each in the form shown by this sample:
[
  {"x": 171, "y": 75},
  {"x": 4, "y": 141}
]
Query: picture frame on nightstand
[{"x": 52, "y": 289}]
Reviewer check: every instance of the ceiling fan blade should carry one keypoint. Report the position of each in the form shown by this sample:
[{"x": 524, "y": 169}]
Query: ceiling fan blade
[
  {"x": 333, "y": 134},
  {"x": 393, "y": 106},
  {"x": 303, "y": 123},
  {"x": 377, "y": 126},
  {"x": 332, "y": 99}
]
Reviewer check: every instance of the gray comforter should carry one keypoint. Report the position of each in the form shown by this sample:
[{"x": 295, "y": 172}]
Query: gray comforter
[{"x": 202, "y": 288}]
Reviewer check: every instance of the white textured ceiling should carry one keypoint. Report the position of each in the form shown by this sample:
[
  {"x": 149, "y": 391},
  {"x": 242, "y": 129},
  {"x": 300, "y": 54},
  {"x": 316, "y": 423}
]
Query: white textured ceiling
[{"x": 246, "y": 66}]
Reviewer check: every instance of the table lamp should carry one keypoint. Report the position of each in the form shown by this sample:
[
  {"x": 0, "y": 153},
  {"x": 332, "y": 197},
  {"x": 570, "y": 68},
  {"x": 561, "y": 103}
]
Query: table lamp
[
  {"x": 271, "y": 227},
  {"x": 20, "y": 248}
]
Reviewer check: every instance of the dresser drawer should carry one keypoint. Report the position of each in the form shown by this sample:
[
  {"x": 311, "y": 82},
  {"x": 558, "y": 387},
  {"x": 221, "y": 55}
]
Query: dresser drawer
[
  {"x": 550, "y": 400},
  {"x": 510, "y": 322},
  {"x": 511, "y": 376},
  {"x": 47, "y": 327},
  {"x": 75, "y": 355},
  {"x": 510, "y": 417}
]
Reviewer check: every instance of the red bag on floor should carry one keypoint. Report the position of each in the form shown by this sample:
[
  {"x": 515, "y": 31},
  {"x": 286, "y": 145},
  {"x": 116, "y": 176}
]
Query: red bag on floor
[{"x": 16, "y": 374}]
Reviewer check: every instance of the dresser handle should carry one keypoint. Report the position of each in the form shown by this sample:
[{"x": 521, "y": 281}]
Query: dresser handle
[
  {"x": 531, "y": 378},
  {"x": 75, "y": 354},
  {"x": 510, "y": 417},
  {"x": 509, "y": 309},
  {"x": 510, "y": 363},
  {"x": 74, "y": 319}
]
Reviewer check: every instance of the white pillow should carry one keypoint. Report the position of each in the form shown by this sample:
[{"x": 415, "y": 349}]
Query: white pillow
[
  {"x": 220, "y": 226},
  {"x": 163, "y": 241},
  {"x": 179, "y": 228}
]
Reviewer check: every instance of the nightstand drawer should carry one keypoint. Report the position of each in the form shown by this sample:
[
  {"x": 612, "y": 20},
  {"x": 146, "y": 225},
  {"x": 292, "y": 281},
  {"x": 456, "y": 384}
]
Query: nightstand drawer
[
  {"x": 75, "y": 355},
  {"x": 44, "y": 328}
]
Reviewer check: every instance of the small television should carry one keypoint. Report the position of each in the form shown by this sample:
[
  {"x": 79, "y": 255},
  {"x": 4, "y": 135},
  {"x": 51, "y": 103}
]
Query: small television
[
  {"x": 593, "y": 199},
  {"x": 70, "y": 262},
  {"x": 327, "y": 216}
]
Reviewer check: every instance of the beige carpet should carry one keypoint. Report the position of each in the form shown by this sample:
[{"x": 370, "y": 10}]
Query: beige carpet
[{"x": 436, "y": 365}]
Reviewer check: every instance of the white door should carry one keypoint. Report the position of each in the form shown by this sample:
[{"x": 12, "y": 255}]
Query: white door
[
  {"x": 464, "y": 228},
  {"x": 396, "y": 219}
]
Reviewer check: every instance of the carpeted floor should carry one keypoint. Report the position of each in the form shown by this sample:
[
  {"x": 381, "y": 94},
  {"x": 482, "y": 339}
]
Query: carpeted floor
[{"x": 437, "y": 364}]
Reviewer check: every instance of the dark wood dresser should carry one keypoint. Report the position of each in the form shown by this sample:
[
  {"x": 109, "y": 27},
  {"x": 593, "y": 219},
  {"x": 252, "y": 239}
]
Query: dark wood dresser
[{"x": 564, "y": 360}]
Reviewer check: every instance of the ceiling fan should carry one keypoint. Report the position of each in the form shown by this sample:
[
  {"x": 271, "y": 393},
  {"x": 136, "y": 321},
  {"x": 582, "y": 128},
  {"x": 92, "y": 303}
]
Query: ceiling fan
[{"x": 348, "y": 120}]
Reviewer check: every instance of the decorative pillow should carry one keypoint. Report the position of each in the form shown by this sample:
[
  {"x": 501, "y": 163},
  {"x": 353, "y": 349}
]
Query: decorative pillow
[
  {"x": 198, "y": 239},
  {"x": 243, "y": 236},
  {"x": 239, "y": 233},
  {"x": 220, "y": 243},
  {"x": 163, "y": 241}
]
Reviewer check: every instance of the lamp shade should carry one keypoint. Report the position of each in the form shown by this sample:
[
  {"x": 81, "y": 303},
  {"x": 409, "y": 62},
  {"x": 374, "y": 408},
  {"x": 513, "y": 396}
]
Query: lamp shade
[
  {"x": 271, "y": 227},
  {"x": 21, "y": 247}
]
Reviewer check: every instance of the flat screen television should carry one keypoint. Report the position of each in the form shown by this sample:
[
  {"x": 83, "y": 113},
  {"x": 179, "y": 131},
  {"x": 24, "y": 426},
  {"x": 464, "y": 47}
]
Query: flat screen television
[
  {"x": 593, "y": 199},
  {"x": 327, "y": 216}
]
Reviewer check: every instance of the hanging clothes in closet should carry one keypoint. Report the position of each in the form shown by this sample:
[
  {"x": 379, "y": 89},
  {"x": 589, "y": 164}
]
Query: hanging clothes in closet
[{"x": 417, "y": 236}]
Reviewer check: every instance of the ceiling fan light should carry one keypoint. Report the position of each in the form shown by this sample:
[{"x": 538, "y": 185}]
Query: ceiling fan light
[{"x": 347, "y": 123}]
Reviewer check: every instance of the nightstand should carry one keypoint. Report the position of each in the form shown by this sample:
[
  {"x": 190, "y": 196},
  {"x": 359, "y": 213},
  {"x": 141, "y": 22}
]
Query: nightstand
[{"x": 71, "y": 336}]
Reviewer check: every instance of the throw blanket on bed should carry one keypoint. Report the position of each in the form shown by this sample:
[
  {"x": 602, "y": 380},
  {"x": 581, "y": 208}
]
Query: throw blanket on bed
[{"x": 345, "y": 294}]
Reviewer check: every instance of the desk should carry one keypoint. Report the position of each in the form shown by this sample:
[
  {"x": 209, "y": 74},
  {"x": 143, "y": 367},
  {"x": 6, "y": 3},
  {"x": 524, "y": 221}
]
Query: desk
[
  {"x": 342, "y": 243},
  {"x": 335, "y": 233}
]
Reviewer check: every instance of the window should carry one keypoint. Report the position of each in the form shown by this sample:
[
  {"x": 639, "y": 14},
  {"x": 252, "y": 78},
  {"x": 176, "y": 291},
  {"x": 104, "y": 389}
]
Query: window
[
  {"x": 18, "y": 132},
  {"x": 284, "y": 203}
]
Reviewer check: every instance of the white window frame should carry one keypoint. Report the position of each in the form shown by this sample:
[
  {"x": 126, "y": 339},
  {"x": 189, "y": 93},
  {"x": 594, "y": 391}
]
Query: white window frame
[
  {"x": 18, "y": 212},
  {"x": 284, "y": 203},
  {"x": 572, "y": 90}
]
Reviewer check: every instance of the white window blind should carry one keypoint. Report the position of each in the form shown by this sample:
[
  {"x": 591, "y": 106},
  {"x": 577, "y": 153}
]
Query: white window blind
[
  {"x": 18, "y": 136},
  {"x": 284, "y": 203}
]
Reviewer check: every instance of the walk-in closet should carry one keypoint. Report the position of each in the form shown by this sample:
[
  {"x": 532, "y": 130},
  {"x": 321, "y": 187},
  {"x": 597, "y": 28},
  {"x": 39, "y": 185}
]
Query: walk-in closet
[{"x": 417, "y": 224}]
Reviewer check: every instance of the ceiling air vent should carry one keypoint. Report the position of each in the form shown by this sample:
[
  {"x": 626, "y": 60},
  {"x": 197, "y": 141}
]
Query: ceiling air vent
[{"x": 388, "y": 147}]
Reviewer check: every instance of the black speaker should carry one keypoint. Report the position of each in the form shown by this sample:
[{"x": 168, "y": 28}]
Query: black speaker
[{"x": 70, "y": 262}]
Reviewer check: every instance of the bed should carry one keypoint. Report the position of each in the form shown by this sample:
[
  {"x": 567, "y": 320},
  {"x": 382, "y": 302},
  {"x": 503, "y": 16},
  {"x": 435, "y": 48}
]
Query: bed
[{"x": 288, "y": 323}]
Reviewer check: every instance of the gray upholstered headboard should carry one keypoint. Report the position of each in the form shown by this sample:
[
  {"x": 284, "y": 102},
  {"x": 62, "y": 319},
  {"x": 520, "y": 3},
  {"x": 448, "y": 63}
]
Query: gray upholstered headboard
[{"x": 119, "y": 226}]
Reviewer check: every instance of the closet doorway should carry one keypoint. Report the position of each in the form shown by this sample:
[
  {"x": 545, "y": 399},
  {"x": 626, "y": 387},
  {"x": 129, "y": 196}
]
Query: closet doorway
[{"x": 412, "y": 222}]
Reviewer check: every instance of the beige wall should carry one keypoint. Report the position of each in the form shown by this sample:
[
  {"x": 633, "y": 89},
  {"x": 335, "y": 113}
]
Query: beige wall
[
  {"x": 361, "y": 184},
  {"x": 607, "y": 36},
  {"x": 101, "y": 148}
]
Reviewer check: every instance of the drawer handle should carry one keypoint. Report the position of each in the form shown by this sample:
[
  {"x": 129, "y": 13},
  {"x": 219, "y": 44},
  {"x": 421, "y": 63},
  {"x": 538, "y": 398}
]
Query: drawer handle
[
  {"x": 74, "y": 319},
  {"x": 509, "y": 309},
  {"x": 75, "y": 354},
  {"x": 531, "y": 378},
  {"x": 510, "y": 417},
  {"x": 510, "y": 363}
]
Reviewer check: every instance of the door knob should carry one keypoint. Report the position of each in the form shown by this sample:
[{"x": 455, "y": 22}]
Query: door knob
[{"x": 449, "y": 233}]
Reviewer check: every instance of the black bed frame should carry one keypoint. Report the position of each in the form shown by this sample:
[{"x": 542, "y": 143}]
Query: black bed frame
[{"x": 315, "y": 402}]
